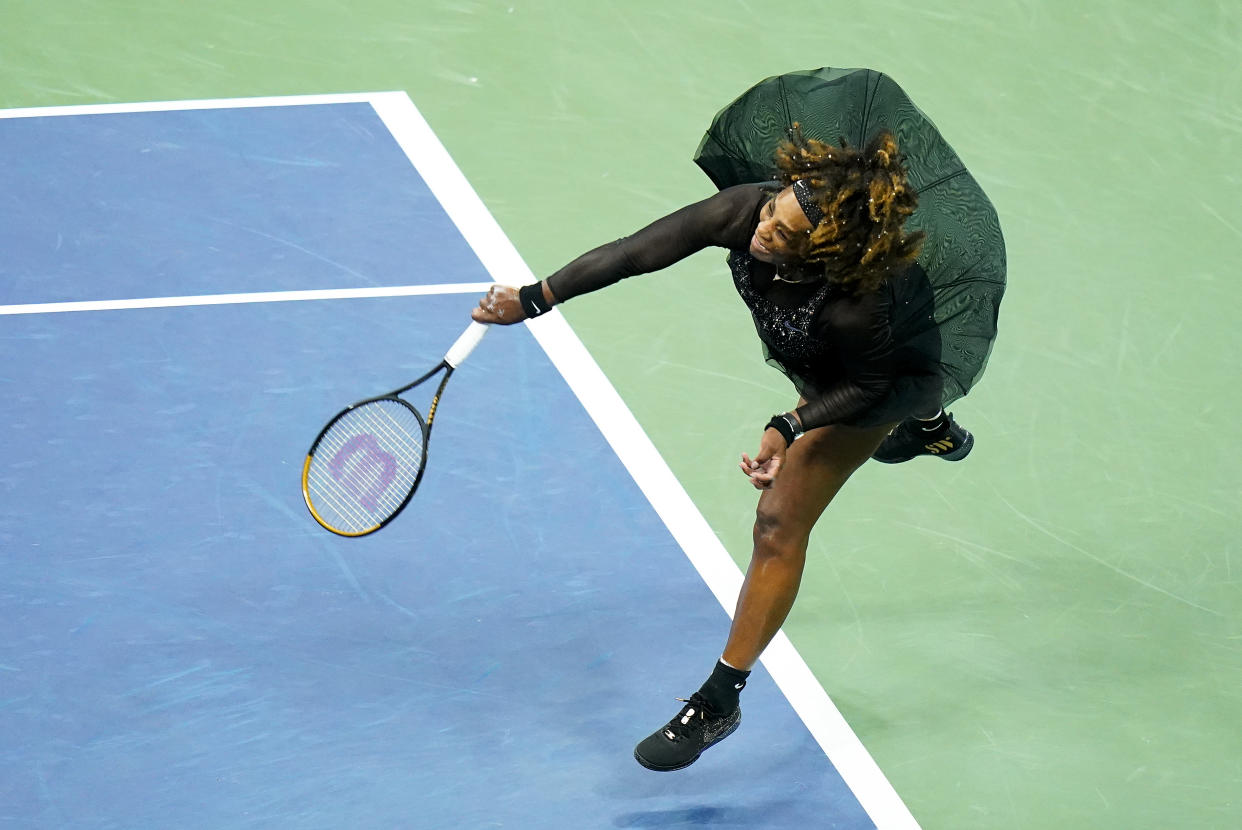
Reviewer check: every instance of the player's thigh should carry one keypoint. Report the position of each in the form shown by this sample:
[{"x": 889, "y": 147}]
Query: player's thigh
[{"x": 816, "y": 466}]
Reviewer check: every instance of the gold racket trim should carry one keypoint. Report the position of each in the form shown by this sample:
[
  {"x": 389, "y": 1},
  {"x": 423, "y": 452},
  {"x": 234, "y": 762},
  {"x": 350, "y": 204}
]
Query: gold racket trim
[{"x": 315, "y": 513}]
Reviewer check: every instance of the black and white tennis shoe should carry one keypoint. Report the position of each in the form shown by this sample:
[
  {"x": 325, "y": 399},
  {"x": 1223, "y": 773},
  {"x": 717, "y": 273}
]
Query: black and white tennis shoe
[{"x": 680, "y": 743}]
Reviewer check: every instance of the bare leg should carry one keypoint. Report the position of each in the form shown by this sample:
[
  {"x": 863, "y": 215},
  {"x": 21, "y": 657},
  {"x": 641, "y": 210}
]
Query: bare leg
[{"x": 816, "y": 467}]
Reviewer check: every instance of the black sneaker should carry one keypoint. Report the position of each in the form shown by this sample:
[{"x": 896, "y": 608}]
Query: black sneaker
[
  {"x": 682, "y": 741},
  {"x": 908, "y": 439}
]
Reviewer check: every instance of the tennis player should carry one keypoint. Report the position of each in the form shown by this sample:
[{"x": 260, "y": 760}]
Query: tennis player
[{"x": 831, "y": 274}]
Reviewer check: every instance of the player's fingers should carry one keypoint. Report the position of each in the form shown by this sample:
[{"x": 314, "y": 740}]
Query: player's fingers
[{"x": 496, "y": 307}]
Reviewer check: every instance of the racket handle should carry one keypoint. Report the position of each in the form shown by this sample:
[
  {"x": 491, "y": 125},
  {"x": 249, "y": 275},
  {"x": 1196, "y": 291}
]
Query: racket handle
[{"x": 465, "y": 344}]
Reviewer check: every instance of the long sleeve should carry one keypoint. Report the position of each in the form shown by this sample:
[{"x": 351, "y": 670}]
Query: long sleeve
[
  {"x": 725, "y": 220},
  {"x": 860, "y": 331}
]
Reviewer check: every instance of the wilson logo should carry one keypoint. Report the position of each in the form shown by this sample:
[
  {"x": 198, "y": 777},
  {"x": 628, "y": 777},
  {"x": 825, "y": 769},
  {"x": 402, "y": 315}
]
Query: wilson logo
[{"x": 364, "y": 469}]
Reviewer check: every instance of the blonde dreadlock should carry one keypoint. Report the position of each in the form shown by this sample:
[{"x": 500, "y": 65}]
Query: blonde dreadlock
[{"x": 866, "y": 199}]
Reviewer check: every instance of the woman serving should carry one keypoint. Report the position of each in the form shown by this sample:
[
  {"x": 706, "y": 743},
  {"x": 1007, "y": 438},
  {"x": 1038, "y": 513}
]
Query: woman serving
[{"x": 878, "y": 309}]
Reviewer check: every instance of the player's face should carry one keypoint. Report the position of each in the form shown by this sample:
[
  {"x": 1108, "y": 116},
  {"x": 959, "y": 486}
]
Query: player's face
[{"x": 781, "y": 223}]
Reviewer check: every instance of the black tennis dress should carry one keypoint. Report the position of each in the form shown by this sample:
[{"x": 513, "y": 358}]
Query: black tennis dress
[{"x": 921, "y": 340}]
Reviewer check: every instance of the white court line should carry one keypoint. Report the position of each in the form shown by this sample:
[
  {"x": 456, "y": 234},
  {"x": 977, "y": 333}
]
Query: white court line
[
  {"x": 614, "y": 419},
  {"x": 254, "y": 297},
  {"x": 212, "y": 104}
]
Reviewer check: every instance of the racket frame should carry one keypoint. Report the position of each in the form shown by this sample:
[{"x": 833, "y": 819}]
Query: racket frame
[{"x": 425, "y": 423}]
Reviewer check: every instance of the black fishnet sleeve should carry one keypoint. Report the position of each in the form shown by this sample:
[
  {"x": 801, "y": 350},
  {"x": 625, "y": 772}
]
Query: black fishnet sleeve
[
  {"x": 724, "y": 220},
  {"x": 863, "y": 337}
]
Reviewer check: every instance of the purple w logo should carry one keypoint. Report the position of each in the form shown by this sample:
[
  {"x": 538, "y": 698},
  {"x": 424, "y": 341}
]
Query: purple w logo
[{"x": 364, "y": 469}]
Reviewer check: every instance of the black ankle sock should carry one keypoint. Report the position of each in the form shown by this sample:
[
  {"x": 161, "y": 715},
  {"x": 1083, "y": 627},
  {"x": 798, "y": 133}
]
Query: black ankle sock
[{"x": 722, "y": 689}]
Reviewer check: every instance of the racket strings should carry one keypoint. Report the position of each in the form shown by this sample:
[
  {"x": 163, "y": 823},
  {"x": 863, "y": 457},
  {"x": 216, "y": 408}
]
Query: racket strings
[
  {"x": 370, "y": 465},
  {"x": 365, "y": 466}
]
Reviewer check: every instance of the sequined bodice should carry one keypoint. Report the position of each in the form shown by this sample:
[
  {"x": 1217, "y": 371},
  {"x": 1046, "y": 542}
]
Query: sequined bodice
[{"x": 786, "y": 331}]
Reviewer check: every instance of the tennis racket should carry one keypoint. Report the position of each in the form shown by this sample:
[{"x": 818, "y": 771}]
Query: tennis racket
[{"x": 364, "y": 466}]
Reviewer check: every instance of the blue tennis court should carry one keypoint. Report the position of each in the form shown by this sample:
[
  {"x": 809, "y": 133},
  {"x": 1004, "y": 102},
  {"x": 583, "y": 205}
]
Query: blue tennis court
[{"x": 184, "y": 647}]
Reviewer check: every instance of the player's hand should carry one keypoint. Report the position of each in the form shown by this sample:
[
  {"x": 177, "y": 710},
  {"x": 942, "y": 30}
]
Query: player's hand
[
  {"x": 500, "y": 306},
  {"x": 766, "y": 465}
]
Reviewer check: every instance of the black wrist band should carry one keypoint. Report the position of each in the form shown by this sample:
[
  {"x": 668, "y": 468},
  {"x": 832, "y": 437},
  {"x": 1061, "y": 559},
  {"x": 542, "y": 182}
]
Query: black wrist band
[
  {"x": 787, "y": 425},
  {"x": 531, "y": 298}
]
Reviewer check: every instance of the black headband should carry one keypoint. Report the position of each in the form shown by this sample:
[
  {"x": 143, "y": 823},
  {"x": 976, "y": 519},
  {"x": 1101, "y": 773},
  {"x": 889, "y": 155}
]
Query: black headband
[{"x": 802, "y": 192}]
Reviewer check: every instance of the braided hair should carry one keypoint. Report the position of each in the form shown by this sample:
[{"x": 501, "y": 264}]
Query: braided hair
[{"x": 866, "y": 199}]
